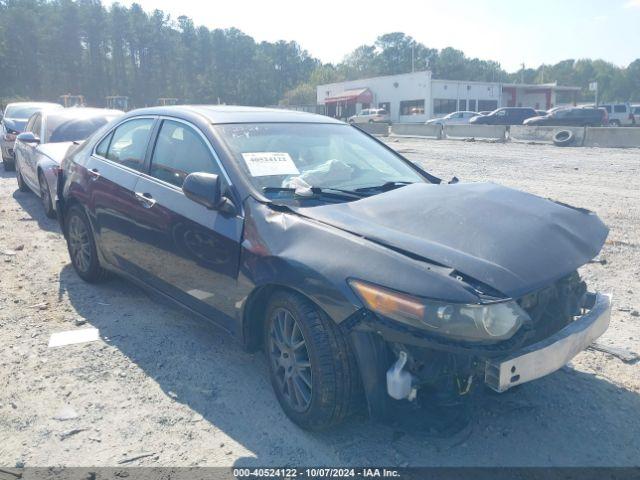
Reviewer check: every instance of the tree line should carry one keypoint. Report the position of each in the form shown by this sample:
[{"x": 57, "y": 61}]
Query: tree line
[{"x": 53, "y": 47}]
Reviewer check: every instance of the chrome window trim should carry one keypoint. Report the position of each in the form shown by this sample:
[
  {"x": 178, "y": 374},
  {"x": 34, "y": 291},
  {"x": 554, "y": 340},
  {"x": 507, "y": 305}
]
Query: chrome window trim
[
  {"x": 177, "y": 189},
  {"x": 146, "y": 175},
  {"x": 204, "y": 138}
]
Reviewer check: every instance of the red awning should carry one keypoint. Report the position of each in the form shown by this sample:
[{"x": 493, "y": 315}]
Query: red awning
[{"x": 358, "y": 95}]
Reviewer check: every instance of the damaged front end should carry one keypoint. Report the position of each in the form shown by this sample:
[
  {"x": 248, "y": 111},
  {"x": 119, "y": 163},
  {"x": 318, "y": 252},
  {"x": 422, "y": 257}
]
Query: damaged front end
[{"x": 412, "y": 363}]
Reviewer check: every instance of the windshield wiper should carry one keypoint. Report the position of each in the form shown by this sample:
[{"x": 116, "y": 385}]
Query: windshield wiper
[
  {"x": 315, "y": 191},
  {"x": 385, "y": 187}
]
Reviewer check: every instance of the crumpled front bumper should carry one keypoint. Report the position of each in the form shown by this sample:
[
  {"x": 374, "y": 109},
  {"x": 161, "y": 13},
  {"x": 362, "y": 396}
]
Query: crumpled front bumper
[{"x": 550, "y": 354}]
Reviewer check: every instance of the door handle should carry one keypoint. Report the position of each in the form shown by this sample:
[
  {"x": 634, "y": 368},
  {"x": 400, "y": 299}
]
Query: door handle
[
  {"x": 146, "y": 199},
  {"x": 94, "y": 174}
]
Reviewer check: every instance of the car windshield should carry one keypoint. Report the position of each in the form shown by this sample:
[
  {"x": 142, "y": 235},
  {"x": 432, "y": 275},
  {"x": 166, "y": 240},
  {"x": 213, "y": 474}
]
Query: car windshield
[
  {"x": 333, "y": 156},
  {"x": 65, "y": 129},
  {"x": 20, "y": 111}
]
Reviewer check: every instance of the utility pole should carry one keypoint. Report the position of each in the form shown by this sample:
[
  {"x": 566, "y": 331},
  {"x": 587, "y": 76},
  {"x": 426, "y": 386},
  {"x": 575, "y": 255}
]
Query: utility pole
[
  {"x": 522, "y": 74},
  {"x": 413, "y": 67},
  {"x": 593, "y": 86}
]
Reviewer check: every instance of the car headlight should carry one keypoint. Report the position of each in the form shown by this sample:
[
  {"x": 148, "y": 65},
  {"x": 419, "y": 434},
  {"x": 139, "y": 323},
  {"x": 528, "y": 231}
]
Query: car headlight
[{"x": 471, "y": 322}]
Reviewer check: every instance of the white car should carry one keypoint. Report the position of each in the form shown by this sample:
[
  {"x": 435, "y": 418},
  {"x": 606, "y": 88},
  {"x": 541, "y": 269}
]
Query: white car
[
  {"x": 370, "y": 115},
  {"x": 48, "y": 136},
  {"x": 620, "y": 114},
  {"x": 454, "y": 118},
  {"x": 13, "y": 122}
]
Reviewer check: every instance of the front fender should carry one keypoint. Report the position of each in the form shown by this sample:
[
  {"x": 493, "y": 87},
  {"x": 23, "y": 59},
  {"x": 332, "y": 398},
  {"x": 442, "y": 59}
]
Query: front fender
[{"x": 283, "y": 249}]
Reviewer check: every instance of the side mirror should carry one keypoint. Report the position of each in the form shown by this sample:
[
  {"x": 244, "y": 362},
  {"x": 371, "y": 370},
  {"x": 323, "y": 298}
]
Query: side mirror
[
  {"x": 206, "y": 189},
  {"x": 28, "y": 137}
]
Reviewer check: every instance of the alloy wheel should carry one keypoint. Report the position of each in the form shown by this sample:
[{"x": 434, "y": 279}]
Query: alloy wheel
[
  {"x": 79, "y": 244},
  {"x": 290, "y": 360}
]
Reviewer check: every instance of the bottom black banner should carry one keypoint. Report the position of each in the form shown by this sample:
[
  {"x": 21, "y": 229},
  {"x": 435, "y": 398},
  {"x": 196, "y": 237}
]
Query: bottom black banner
[{"x": 233, "y": 473}]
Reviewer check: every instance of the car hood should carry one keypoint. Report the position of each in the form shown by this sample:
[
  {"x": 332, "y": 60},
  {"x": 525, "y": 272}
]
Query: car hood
[
  {"x": 512, "y": 241},
  {"x": 55, "y": 151}
]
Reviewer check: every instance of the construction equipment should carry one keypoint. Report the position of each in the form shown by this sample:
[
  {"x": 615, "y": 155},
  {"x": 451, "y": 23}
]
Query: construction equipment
[
  {"x": 69, "y": 100},
  {"x": 117, "y": 102}
]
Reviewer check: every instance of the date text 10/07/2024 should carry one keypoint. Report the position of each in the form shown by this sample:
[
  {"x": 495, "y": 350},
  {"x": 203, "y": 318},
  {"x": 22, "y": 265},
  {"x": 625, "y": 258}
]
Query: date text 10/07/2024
[{"x": 290, "y": 473}]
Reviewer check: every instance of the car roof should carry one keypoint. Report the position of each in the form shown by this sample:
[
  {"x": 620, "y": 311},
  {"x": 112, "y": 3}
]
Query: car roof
[
  {"x": 237, "y": 114},
  {"x": 83, "y": 112},
  {"x": 35, "y": 104}
]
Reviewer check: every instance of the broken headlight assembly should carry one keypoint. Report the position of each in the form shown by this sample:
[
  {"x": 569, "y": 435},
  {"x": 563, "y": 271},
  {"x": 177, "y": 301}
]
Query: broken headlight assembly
[{"x": 470, "y": 322}]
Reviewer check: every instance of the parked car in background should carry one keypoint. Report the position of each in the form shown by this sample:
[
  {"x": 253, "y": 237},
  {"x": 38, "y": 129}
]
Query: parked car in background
[
  {"x": 485, "y": 112},
  {"x": 572, "y": 117},
  {"x": 352, "y": 268},
  {"x": 14, "y": 119},
  {"x": 504, "y": 116},
  {"x": 48, "y": 136},
  {"x": 455, "y": 118},
  {"x": 636, "y": 114},
  {"x": 370, "y": 115},
  {"x": 620, "y": 114},
  {"x": 541, "y": 113}
]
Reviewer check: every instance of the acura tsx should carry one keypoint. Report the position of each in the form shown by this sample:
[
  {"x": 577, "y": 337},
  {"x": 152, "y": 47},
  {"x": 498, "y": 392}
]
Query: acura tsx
[{"x": 365, "y": 279}]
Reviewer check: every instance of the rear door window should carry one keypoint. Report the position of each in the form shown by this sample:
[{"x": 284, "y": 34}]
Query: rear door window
[
  {"x": 179, "y": 151},
  {"x": 620, "y": 108},
  {"x": 129, "y": 142}
]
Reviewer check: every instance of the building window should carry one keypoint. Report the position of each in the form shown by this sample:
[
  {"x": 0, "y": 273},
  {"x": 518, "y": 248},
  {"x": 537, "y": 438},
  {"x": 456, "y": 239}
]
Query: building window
[
  {"x": 442, "y": 106},
  {"x": 472, "y": 105},
  {"x": 487, "y": 105},
  {"x": 462, "y": 105},
  {"x": 412, "y": 107},
  {"x": 386, "y": 106}
]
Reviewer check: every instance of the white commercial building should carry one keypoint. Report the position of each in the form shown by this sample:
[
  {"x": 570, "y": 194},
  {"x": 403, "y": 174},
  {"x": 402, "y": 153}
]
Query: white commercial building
[{"x": 416, "y": 97}]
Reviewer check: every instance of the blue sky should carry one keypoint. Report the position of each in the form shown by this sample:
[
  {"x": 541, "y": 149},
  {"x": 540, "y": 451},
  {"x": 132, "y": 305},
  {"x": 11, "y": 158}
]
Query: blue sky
[{"x": 509, "y": 31}]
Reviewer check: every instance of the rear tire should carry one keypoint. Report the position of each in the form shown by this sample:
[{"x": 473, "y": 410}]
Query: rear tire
[
  {"x": 9, "y": 165},
  {"x": 311, "y": 363},
  {"x": 82, "y": 246},
  {"x": 45, "y": 196}
]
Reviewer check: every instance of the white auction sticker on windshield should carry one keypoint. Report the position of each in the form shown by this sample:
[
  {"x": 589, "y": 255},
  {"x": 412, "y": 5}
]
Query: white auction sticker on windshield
[{"x": 263, "y": 164}]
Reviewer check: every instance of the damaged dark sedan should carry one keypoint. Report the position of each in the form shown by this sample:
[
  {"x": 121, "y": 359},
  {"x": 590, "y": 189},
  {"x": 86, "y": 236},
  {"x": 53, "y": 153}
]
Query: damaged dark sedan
[{"x": 365, "y": 280}]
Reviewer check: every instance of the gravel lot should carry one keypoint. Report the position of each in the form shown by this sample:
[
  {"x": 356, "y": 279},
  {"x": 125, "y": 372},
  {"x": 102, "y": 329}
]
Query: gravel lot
[{"x": 161, "y": 384}]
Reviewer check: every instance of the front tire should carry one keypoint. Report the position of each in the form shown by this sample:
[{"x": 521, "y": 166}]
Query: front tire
[
  {"x": 312, "y": 367},
  {"x": 82, "y": 246},
  {"x": 22, "y": 186},
  {"x": 45, "y": 196}
]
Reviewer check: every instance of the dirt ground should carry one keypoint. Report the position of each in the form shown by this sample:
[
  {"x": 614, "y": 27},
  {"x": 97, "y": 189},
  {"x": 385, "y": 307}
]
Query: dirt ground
[{"x": 161, "y": 384}]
